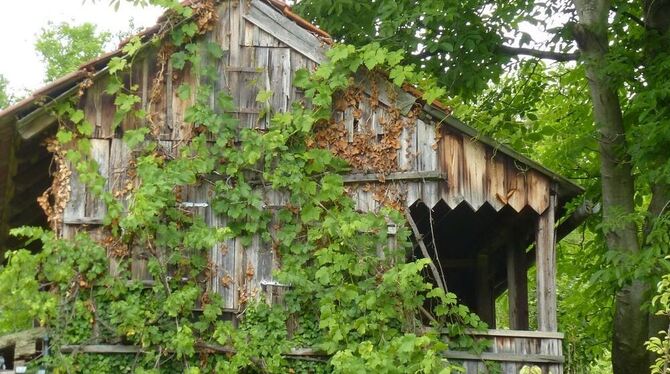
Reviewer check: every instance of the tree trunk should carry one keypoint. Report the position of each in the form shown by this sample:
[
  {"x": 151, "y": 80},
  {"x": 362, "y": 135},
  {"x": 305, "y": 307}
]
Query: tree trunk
[
  {"x": 656, "y": 17},
  {"x": 630, "y": 322}
]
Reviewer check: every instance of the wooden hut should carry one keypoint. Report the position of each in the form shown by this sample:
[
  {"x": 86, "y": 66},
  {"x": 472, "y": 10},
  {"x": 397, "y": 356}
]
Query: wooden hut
[{"x": 483, "y": 212}]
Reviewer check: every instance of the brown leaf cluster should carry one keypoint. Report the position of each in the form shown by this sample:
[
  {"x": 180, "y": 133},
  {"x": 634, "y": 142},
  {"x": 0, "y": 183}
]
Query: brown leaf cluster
[
  {"x": 375, "y": 139},
  {"x": 55, "y": 198}
]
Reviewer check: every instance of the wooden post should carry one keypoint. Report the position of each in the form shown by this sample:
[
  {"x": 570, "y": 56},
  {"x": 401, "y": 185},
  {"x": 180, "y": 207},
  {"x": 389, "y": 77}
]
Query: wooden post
[
  {"x": 484, "y": 289},
  {"x": 517, "y": 287},
  {"x": 545, "y": 258}
]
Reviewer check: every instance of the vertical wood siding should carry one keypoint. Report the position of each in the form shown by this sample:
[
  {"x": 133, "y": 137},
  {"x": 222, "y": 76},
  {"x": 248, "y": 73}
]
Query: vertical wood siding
[{"x": 256, "y": 60}]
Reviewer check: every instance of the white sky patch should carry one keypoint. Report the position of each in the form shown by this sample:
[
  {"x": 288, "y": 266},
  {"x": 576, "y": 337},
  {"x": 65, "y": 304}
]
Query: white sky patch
[{"x": 21, "y": 21}]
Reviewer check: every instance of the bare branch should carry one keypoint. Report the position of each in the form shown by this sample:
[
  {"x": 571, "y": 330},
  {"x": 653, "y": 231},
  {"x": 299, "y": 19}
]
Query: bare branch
[{"x": 550, "y": 55}]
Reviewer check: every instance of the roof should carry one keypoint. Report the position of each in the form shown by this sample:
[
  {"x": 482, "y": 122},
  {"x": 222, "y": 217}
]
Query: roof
[{"x": 24, "y": 110}]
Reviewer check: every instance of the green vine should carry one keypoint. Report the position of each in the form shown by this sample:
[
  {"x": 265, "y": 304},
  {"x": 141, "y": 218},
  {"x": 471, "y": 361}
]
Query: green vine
[{"x": 353, "y": 299}]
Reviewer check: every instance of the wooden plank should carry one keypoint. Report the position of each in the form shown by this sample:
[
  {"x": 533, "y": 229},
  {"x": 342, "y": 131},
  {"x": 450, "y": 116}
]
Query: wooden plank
[
  {"x": 119, "y": 165},
  {"x": 288, "y": 32},
  {"x": 451, "y": 163},
  {"x": 413, "y": 192},
  {"x": 95, "y": 209},
  {"x": 251, "y": 84},
  {"x": 485, "y": 301},
  {"x": 517, "y": 287},
  {"x": 496, "y": 193},
  {"x": 538, "y": 191},
  {"x": 74, "y": 209},
  {"x": 407, "y": 152},
  {"x": 545, "y": 261},
  {"x": 280, "y": 79},
  {"x": 500, "y": 357},
  {"x": 256, "y": 37},
  {"x": 92, "y": 107},
  {"x": 139, "y": 264},
  {"x": 235, "y": 58},
  {"x": 425, "y": 137},
  {"x": 100, "y": 348},
  {"x": 298, "y": 62},
  {"x": 474, "y": 173},
  {"x": 167, "y": 130},
  {"x": 83, "y": 206},
  {"x": 224, "y": 259},
  {"x": 515, "y": 333},
  {"x": 181, "y": 130},
  {"x": 430, "y": 193},
  {"x": 349, "y": 123},
  {"x": 515, "y": 179},
  {"x": 239, "y": 277},
  {"x": 399, "y": 176}
]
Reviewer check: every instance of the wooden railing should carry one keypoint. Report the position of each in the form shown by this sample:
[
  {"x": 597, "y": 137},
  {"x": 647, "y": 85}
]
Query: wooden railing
[{"x": 511, "y": 350}]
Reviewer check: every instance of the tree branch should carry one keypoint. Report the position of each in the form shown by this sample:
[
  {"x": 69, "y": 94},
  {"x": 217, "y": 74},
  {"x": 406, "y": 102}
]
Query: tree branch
[
  {"x": 550, "y": 55},
  {"x": 629, "y": 15}
]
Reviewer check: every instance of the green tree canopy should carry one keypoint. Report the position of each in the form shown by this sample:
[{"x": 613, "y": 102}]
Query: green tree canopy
[{"x": 63, "y": 47}]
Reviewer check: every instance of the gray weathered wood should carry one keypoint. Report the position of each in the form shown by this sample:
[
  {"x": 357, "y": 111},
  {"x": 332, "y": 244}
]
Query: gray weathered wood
[
  {"x": 545, "y": 260},
  {"x": 83, "y": 205},
  {"x": 100, "y": 348},
  {"x": 498, "y": 357},
  {"x": 286, "y": 31},
  {"x": 517, "y": 287},
  {"x": 484, "y": 291},
  {"x": 400, "y": 176},
  {"x": 23, "y": 342}
]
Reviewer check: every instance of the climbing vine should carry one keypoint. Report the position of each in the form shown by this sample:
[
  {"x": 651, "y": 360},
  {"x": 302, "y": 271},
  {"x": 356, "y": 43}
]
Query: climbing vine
[{"x": 352, "y": 302}]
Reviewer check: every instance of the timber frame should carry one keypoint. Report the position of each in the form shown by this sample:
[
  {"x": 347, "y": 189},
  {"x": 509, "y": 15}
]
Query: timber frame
[{"x": 481, "y": 211}]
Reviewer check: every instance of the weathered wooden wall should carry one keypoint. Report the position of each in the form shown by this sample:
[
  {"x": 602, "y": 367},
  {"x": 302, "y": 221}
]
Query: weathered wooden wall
[
  {"x": 253, "y": 61},
  {"x": 421, "y": 160}
]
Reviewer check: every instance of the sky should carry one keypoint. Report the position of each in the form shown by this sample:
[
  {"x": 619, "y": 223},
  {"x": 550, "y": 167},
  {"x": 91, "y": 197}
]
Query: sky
[{"x": 22, "y": 20}]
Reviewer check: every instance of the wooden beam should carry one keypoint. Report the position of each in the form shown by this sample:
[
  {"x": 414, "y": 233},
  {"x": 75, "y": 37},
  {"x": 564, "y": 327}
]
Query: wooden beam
[
  {"x": 545, "y": 261},
  {"x": 483, "y": 288},
  {"x": 504, "y": 357},
  {"x": 125, "y": 349},
  {"x": 514, "y": 334},
  {"x": 100, "y": 348},
  {"x": 288, "y": 32},
  {"x": 517, "y": 286},
  {"x": 400, "y": 176}
]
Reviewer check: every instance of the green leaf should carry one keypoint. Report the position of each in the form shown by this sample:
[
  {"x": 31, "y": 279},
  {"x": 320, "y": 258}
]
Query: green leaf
[
  {"x": 64, "y": 136},
  {"x": 189, "y": 29},
  {"x": 77, "y": 116},
  {"x": 214, "y": 50},
  {"x": 117, "y": 64},
  {"x": 301, "y": 79},
  {"x": 133, "y": 46},
  {"x": 178, "y": 60},
  {"x": 310, "y": 213},
  {"x": 264, "y": 96},
  {"x": 184, "y": 91}
]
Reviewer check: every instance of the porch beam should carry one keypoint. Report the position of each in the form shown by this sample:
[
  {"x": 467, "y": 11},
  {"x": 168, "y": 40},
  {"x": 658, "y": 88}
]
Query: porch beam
[
  {"x": 517, "y": 283},
  {"x": 484, "y": 289},
  {"x": 545, "y": 260}
]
